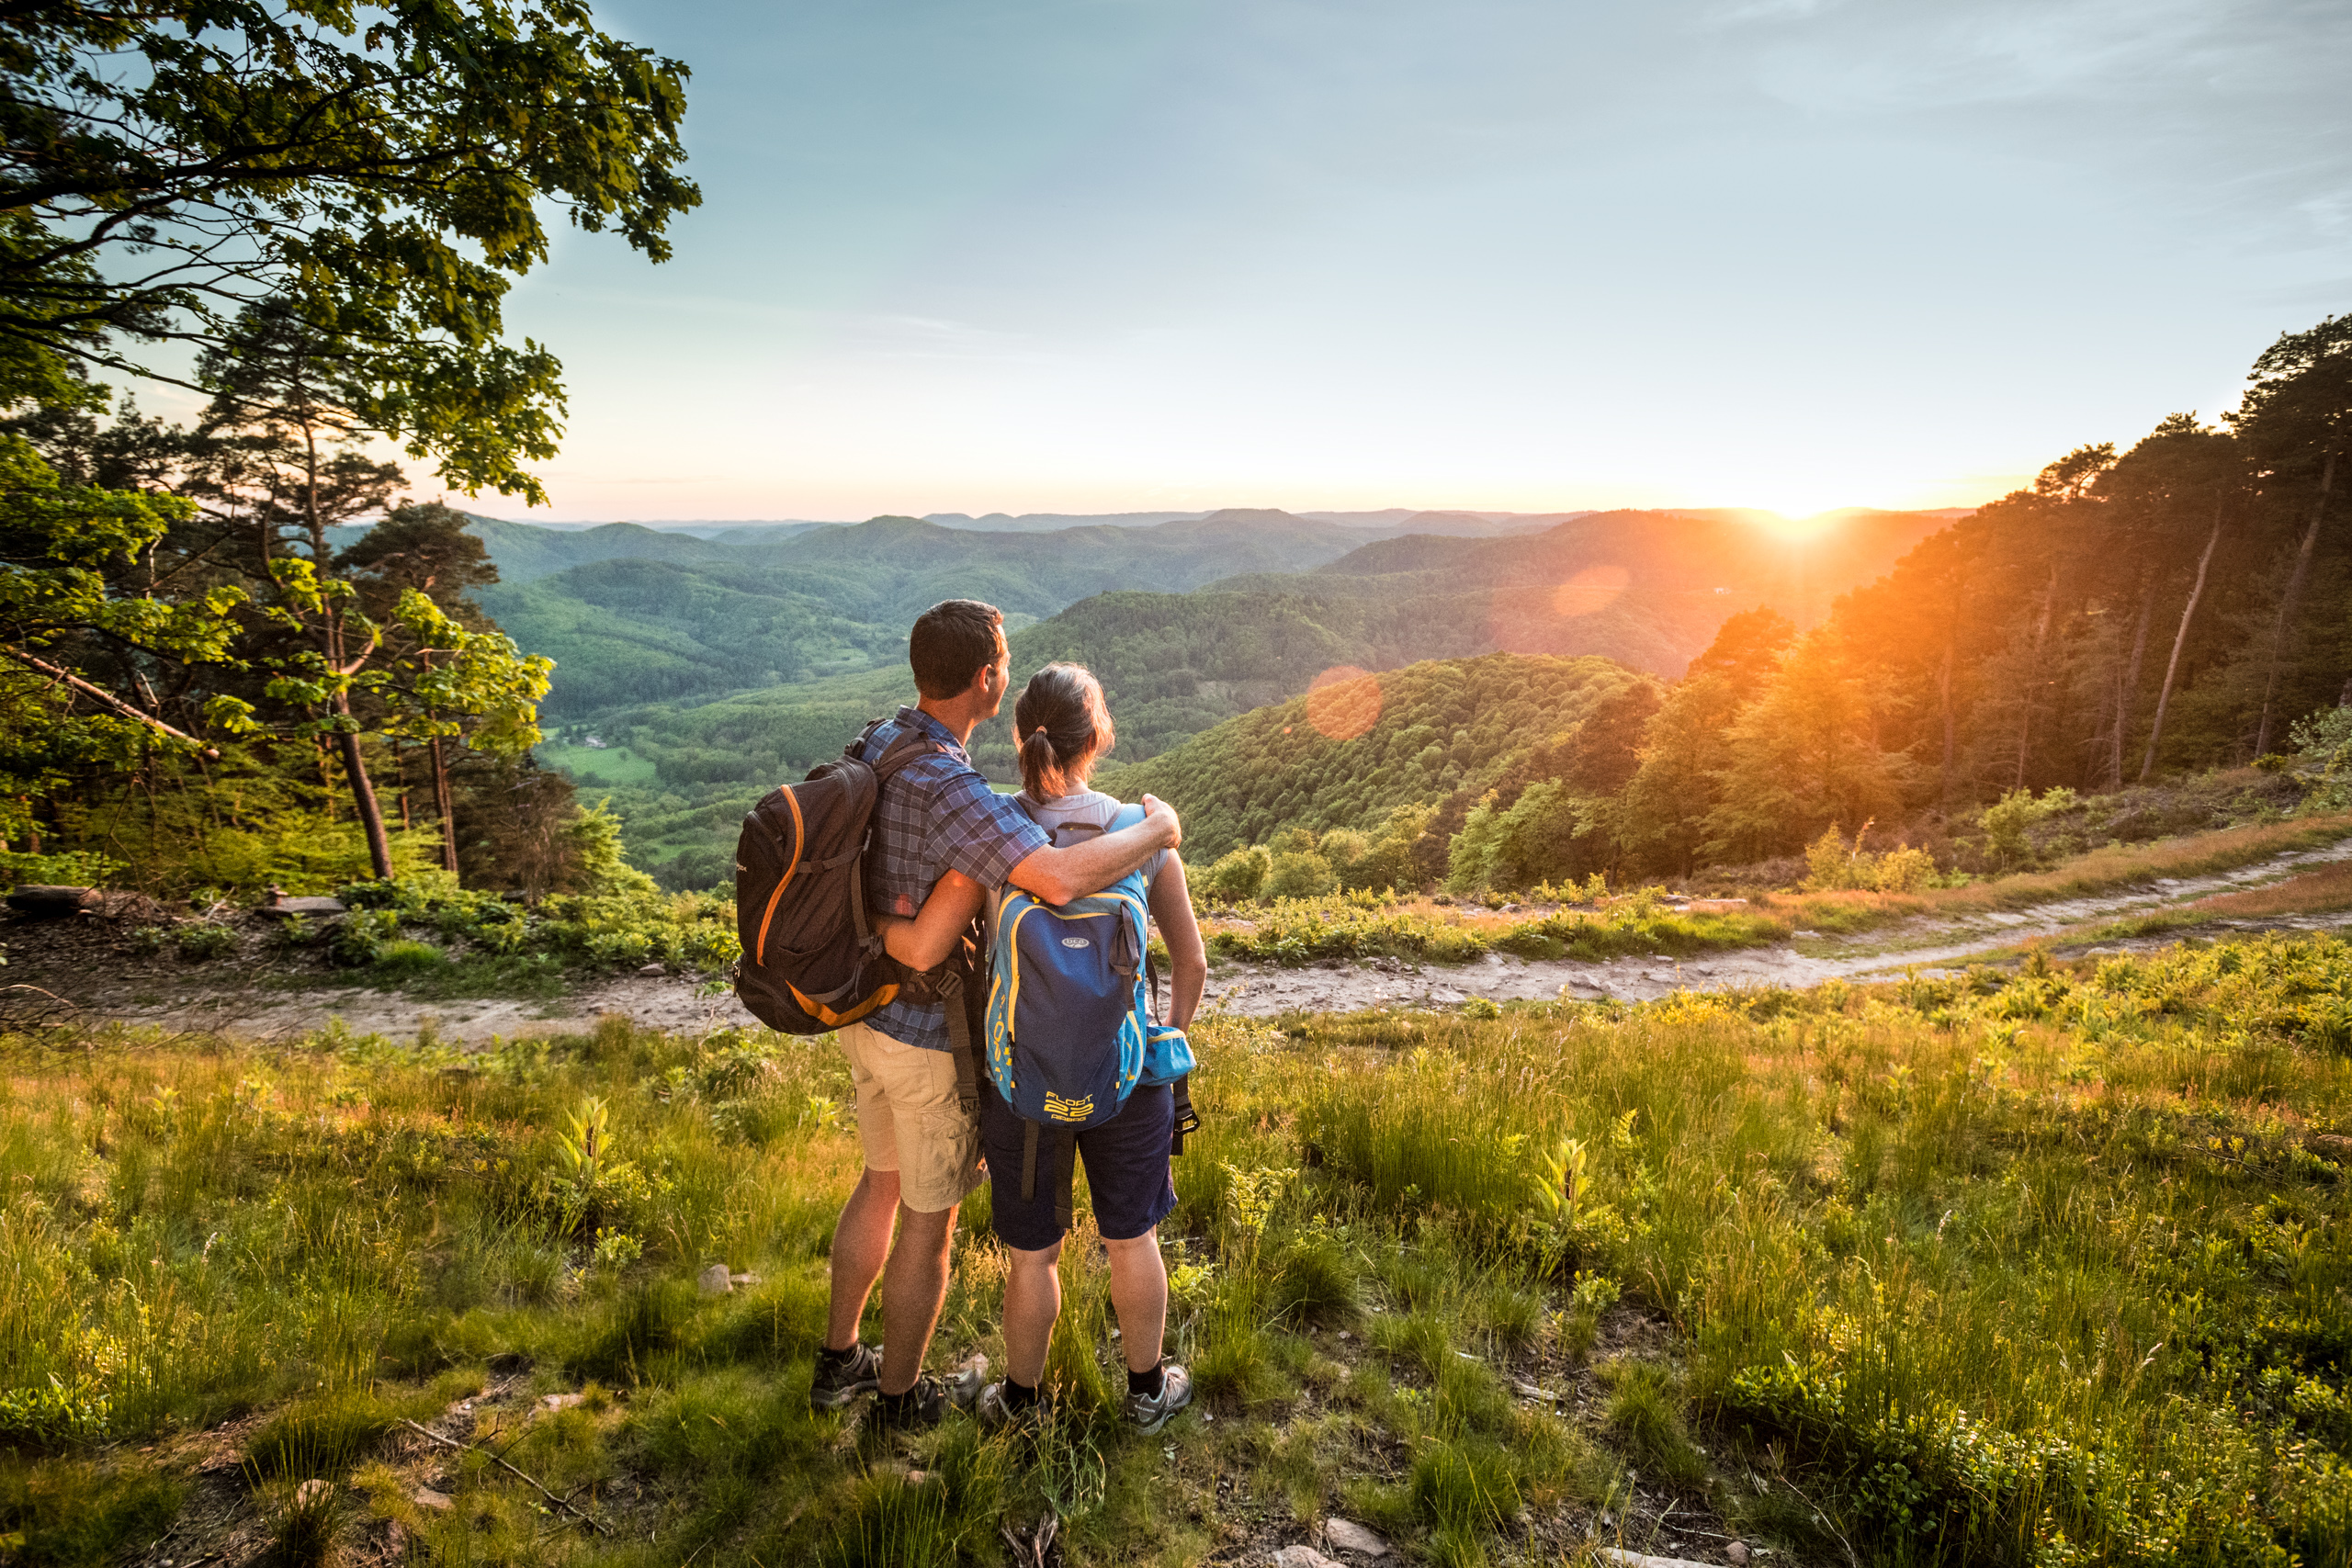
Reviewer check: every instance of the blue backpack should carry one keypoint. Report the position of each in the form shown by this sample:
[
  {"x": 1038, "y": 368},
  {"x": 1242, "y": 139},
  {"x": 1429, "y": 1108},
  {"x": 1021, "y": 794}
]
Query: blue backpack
[{"x": 1069, "y": 1032}]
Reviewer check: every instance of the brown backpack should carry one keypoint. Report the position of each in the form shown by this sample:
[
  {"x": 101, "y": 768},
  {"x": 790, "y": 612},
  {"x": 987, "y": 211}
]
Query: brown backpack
[{"x": 812, "y": 959}]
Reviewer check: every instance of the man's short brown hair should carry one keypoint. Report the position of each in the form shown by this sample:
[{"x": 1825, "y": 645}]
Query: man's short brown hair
[{"x": 953, "y": 641}]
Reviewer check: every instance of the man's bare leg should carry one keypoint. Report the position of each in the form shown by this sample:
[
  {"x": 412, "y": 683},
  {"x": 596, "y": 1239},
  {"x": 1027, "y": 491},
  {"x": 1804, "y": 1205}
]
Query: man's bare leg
[
  {"x": 914, "y": 1288},
  {"x": 1138, "y": 1294},
  {"x": 861, "y": 1243},
  {"x": 1033, "y": 1301}
]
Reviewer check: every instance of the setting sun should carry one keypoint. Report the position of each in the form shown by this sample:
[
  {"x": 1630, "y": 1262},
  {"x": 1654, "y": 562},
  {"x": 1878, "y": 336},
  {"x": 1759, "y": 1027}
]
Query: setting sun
[{"x": 1796, "y": 524}]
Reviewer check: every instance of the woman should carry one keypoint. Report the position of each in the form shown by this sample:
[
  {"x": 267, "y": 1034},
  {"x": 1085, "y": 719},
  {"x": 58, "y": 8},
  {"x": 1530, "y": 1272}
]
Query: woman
[{"x": 1063, "y": 729}]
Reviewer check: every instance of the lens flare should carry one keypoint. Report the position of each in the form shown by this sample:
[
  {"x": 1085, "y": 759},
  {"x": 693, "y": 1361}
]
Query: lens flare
[
  {"x": 1343, "y": 702},
  {"x": 1590, "y": 591}
]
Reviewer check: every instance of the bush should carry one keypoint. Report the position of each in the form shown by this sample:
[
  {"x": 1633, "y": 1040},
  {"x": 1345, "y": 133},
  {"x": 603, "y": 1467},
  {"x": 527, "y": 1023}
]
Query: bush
[
  {"x": 406, "y": 957},
  {"x": 1344, "y": 847},
  {"x": 1389, "y": 860},
  {"x": 693, "y": 930},
  {"x": 205, "y": 941},
  {"x": 1533, "y": 840},
  {"x": 1299, "y": 874},
  {"x": 1832, "y": 865},
  {"x": 359, "y": 937},
  {"x": 2324, "y": 740},
  {"x": 1239, "y": 876},
  {"x": 2008, "y": 819}
]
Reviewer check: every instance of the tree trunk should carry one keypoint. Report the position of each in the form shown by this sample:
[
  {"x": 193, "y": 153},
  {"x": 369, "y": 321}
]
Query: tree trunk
[
  {"x": 2286, "y": 605},
  {"x": 1943, "y": 692},
  {"x": 2179, "y": 641},
  {"x": 2025, "y": 708},
  {"x": 363, "y": 797},
  {"x": 2128, "y": 685},
  {"x": 445, "y": 802},
  {"x": 1951, "y": 733}
]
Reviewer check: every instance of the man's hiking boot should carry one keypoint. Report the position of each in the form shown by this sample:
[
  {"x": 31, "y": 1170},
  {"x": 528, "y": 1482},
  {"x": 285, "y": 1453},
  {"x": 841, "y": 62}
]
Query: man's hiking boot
[
  {"x": 840, "y": 1378},
  {"x": 927, "y": 1403},
  {"x": 1151, "y": 1412}
]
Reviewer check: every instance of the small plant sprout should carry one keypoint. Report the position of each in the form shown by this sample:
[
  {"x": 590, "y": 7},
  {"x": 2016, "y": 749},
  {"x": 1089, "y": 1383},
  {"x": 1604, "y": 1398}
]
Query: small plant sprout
[{"x": 616, "y": 1250}]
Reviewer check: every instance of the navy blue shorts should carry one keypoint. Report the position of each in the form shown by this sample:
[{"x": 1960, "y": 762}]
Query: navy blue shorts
[{"x": 1126, "y": 1169}]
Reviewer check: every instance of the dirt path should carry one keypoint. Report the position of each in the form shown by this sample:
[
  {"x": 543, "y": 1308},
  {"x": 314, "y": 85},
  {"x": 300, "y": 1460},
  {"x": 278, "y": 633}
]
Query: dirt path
[
  {"x": 1928, "y": 943},
  {"x": 191, "y": 1000}
]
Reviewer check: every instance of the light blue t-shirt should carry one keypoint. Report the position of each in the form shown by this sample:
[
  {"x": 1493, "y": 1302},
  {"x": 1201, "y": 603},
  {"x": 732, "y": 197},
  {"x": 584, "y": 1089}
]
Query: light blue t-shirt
[{"x": 1085, "y": 808}]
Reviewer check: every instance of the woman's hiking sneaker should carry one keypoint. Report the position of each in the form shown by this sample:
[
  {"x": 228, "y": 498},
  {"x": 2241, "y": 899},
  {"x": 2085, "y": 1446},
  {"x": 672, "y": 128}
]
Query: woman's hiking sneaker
[
  {"x": 842, "y": 1375},
  {"x": 928, "y": 1402},
  {"x": 1151, "y": 1410},
  {"x": 1000, "y": 1405}
]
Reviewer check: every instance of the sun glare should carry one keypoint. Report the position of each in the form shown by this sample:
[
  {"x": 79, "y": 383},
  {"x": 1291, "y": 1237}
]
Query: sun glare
[
  {"x": 1343, "y": 702},
  {"x": 1795, "y": 523}
]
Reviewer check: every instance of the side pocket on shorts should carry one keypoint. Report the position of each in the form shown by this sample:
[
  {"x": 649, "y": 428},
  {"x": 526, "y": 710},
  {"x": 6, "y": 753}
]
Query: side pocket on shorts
[{"x": 949, "y": 1159}]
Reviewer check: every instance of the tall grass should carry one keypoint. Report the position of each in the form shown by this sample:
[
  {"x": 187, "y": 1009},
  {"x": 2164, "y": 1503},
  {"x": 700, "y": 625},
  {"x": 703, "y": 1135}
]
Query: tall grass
[
  {"x": 2042, "y": 1267},
  {"x": 1303, "y": 931}
]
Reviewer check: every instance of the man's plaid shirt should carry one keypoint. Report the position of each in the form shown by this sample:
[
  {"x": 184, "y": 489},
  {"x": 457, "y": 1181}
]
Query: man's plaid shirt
[{"x": 937, "y": 813}]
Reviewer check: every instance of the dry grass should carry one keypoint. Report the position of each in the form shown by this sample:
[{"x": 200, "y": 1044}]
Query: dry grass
[
  {"x": 2101, "y": 871},
  {"x": 2313, "y": 892}
]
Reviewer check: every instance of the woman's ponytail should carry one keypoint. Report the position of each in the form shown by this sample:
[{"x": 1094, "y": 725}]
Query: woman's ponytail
[
  {"x": 1064, "y": 725},
  {"x": 1037, "y": 768}
]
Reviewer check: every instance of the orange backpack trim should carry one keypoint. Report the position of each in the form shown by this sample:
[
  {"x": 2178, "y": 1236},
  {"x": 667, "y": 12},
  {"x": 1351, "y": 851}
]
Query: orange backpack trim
[{"x": 799, "y": 840}]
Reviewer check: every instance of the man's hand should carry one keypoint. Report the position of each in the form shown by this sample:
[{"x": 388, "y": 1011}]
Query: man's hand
[{"x": 1159, "y": 812}]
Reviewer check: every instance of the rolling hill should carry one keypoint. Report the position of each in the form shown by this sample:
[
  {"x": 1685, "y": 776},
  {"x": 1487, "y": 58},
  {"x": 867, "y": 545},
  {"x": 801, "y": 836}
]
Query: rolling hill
[
  {"x": 1647, "y": 589},
  {"x": 687, "y": 618},
  {"x": 1441, "y": 726}
]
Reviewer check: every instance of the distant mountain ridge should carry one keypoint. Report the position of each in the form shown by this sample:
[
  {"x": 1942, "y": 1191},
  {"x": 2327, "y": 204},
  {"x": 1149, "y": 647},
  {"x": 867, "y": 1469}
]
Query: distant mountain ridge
[
  {"x": 635, "y": 614},
  {"x": 669, "y": 617}
]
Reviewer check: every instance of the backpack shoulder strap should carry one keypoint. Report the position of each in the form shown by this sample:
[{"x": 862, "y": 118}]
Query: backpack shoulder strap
[
  {"x": 856, "y": 751},
  {"x": 1071, "y": 833}
]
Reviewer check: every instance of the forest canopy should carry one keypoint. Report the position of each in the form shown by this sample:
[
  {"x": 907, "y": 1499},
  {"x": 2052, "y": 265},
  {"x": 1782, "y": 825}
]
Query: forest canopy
[{"x": 310, "y": 216}]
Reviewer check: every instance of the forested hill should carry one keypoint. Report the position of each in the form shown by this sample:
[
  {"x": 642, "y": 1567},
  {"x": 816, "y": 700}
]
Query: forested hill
[
  {"x": 1174, "y": 664},
  {"x": 689, "y": 618},
  {"x": 1644, "y": 588},
  {"x": 1348, "y": 754},
  {"x": 1647, "y": 589}
]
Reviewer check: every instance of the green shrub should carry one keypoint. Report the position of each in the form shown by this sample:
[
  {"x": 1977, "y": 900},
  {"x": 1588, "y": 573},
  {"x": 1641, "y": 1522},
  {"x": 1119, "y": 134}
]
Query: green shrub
[
  {"x": 2009, "y": 819},
  {"x": 360, "y": 936},
  {"x": 205, "y": 941},
  {"x": 1832, "y": 865},
  {"x": 1342, "y": 847},
  {"x": 693, "y": 930},
  {"x": 404, "y": 957},
  {"x": 1389, "y": 860},
  {"x": 1239, "y": 876},
  {"x": 1299, "y": 873}
]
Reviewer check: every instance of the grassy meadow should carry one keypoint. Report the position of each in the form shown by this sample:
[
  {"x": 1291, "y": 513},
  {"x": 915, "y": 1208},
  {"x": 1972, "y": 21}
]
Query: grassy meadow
[{"x": 2043, "y": 1267}]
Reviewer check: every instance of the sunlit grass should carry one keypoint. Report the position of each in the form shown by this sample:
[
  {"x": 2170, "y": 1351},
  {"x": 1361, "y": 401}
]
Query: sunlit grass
[
  {"x": 2095, "y": 871},
  {"x": 1305, "y": 931},
  {"x": 1986, "y": 1269}
]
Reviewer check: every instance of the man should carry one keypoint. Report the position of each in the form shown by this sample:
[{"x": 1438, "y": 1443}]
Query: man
[{"x": 937, "y": 817}]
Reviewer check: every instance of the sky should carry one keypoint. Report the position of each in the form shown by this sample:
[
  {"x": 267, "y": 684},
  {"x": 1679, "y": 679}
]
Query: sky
[{"x": 1092, "y": 255}]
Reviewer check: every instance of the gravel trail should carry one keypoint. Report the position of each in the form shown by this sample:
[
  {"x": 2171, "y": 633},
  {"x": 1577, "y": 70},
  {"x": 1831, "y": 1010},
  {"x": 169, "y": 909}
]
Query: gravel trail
[{"x": 205, "y": 1001}]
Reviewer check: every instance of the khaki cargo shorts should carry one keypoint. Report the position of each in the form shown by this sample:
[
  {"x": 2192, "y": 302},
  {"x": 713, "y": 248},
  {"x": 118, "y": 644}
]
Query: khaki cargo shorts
[{"x": 909, "y": 1119}]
